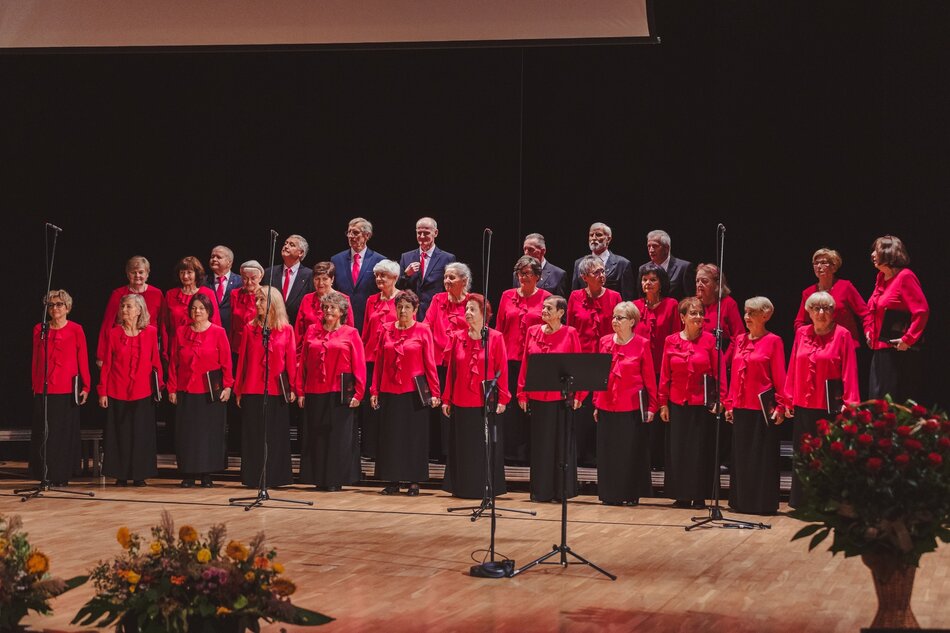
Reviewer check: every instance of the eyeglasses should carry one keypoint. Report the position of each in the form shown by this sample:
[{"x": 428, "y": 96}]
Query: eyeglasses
[
  {"x": 58, "y": 304},
  {"x": 354, "y": 233},
  {"x": 525, "y": 273},
  {"x": 597, "y": 273},
  {"x": 822, "y": 309},
  {"x": 821, "y": 263},
  {"x": 619, "y": 318}
]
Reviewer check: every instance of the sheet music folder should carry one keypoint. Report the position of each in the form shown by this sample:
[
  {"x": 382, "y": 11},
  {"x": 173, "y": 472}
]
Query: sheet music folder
[{"x": 546, "y": 371}]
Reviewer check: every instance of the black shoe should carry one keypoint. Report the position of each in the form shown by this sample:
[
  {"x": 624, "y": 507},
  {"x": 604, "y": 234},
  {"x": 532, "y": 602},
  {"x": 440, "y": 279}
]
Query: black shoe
[
  {"x": 634, "y": 502},
  {"x": 59, "y": 484},
  {"x": 206, "y": 481},
  {"x": 413, "y": 490},
  {"x": 333, "y": 488},
  {"x": 612, "y": 503},
  {"x": 680, "y": 503},
  {"x": 122, "y": 483},
  {"x": 390, "y": 490},
  {"x": 698, "y": 504},
  {"x": 187, "y": 483},
  {"x": 139, "y": 483}
]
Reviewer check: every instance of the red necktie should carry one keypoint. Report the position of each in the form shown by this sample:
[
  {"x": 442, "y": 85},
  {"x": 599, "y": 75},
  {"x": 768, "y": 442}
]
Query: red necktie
[
  {"x": 422, "y": 265},
  {"x": 222, "y": 284},
  {"x": 356, "y": 268},
  {"x": 286, "y": 282}
]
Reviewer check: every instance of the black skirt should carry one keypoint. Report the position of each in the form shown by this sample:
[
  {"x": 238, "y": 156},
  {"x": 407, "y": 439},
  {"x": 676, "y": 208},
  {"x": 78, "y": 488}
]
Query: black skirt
[
  {"x": 63, "y": 450},
  {"x": 548, "y": 424},
  {"x": 805, "y": 421},
  {"x": 585, "y": 433},
  {"x": 368, "y": 421},
  {"x": 754, "y": 477},
  {"x": 517, "y": 425},
  {"x": 465, "y": 470},
  {"x": 623, "y": 456},
  {"x": 329, "y": 448},
  {"x": 690, "y": 473},
  {"x": 439, "y": 427},
  {"x": 200, "y": 442},
  {"x": 252, "y": 441},
  {"x": 895, "y": 373},
  {"x": 130, "y": 443},
  {"x": 403, "y": 451}
]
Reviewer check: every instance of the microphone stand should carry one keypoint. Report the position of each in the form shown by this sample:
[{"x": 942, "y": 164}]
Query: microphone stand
[
  {"x": 44, "y": 484},
  {"x": 262, "y": 495},
  {"x": 490, "y": 568},
  {"x": 715, "y": 516}
]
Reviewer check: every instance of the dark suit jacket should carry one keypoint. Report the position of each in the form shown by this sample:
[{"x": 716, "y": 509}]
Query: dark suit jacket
[
  {"x": 303, "y": 284},
  {"x": 620, "y": 276},
  {"x": 682, "y": 278},
  {"x": 224, "y": 307},
  {"x": 434, "y": 272},
  {"x": 365, "y": 284},
  {"x": 553, "y": 279}
]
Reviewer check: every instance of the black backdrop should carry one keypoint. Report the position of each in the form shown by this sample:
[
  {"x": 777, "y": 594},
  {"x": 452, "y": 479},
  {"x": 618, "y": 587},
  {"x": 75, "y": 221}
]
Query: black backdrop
[{"x": 797, "y": 126}]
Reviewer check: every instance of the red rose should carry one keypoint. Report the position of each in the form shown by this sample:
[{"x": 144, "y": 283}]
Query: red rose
[
  {"x": 836, "y": 447},
  {"x": 815, "y": 464},
  {"x": 848, "y": 413},
  {"x": 823, "y": 426},
  {"x": 874, "y": 463},
  {"x": 918, "y": 411},
  {"x": 890, "y": 418},
  {"x": 935, "y": 459},
  {"x": 912, "y": 445},
  {"x": 850, "y": 429},
  {"x": 865, "y": 439},
  {"x": 850, "y": 455},
  {"x": 931, "y": 425},
  {"x": 816, "y": 442},
  {"x": 880, "y": 405},
  {"x": 904, "y": 431},
  {"x": 864, "y": 416},
  {"x": 943, "y": 443},
  {"x": 879, "y": 425},
  {"x": 885, "y": 444},
  {"x": 805, "y": 449},
  {"x": 945, "y": 425},
  {"x": 902, "y": 460},
  {"x": 806, "y": 441}
]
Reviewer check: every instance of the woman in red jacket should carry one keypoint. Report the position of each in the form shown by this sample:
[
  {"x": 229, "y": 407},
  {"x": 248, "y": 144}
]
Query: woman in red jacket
[
  {"x": 623, "y": 437},
  {"x": 688, "y": 357},
  {"x": 137, "y": 270},
  {"x": 547, "y": 412},
  {"x": 270, "y": 414},
  {"x": 311, "y": 306},
  {"x": 823, "y": 351},
  {"x": 405, "y": 352},
  {"x": 758, "y": 364},
  {"x": 200, "y": 353},
  {"x": 331, "y": 355},
  {"x": 895, "y": 362},
  {"x": 850, "y": 308},
  {"x": 463, "y": 399},
  {"x": 244, "y": 303},
  {"x": 131, "y": 363},
  {"x": 518, "y": 309},
  {"x": 178, "y": 300},
  {"x": 66, "y": 360},
  {"x": 708, "y": 281}
]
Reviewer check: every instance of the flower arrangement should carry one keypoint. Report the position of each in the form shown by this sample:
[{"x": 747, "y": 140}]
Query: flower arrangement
[
  {"x": 179, "y": 582},
  {"x": 25, "y": 581},
  {"x": 877, "y": 475}
]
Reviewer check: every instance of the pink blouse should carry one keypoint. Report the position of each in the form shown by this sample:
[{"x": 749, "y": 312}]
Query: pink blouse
[
  {"x": 817, "y": 358},
  {"x": 631, "y": 370}
]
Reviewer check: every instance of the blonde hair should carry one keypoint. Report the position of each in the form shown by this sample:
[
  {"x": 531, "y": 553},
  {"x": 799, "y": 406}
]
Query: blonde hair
[
  {"x": 830, "y": 254},
  {"x": 277, "y": 317},
  {"x": 819, "y": 297},
  {"x": 720, "y": 280},
  {"x": 60, "y": 294},
  {"x": 629, "y": 310},
  {"x": 760, "y": 304},
  {"x": 144, "y": 317},
  {"x": 135, "y": 261}
]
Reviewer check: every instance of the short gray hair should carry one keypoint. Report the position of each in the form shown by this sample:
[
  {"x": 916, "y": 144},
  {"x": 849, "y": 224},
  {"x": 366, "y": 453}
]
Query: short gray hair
[
  {"x": 253, "y": 264},
  {"x": 760, "y": 304},
  {"x": 362, "y": 224},
  {"x": 819, "y": 298},
  {"x": 304, "y": 246},
  {"x": 144, "y": 317},
  {"x": 629, "y": 310},
  {"x": 660, "y": 236},
  {"x": 587, "y": 263},
  {"x": 387, "y": 266},
  {"x": 537, "y": 237},
  {"x": 435, "y": 225},
  {"x": 463, "y": 271},
  {"x": 337, "y": 299},
  {"x": 227, "y": 251},
  {"x": 601, "y": 225}
]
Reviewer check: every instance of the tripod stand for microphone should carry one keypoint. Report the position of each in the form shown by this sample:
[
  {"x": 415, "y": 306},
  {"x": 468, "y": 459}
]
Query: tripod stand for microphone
[
  {"x": 563, "y": 372},
  {"x": 262, "y": 495},
  {"x": 44, "y": 484},
  {"x": 715, "y": 512}
]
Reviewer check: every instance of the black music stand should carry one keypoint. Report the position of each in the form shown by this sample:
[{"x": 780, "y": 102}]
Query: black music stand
[{"x": 566, "y": 373}]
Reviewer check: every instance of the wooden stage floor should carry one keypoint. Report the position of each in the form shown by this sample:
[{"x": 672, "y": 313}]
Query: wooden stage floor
[{"x": 401, "y": 564}]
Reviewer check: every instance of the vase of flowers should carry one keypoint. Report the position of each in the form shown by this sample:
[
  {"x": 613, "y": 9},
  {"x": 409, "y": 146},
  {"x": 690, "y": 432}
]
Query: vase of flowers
[
  {"x": 876, "y": 478},
  {"x": 25, "y": 581},
  {"x": 181, "y": 582}
]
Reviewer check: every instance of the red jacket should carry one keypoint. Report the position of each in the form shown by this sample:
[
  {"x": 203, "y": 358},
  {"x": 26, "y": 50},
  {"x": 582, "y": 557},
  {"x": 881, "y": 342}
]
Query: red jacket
[
  {"x": 816, "y": 359},
  {"x": 657, "y": 323},
  {"x": 684, "y": 365},
  {"x": 631, "y": 369},
  {"x": 466, "y": 369},
  {"x": 68, "y": 357},
  {"x": 194, "y": 354},
  {"x": 176, "y": 313},
  {"x": 515, "y": 315},
  {"x": 850, "y": 309},
  {"x": 377, "y": 315},
  {"x": 243, "y": 311},
  {"x": 591, "y": 317},
  {"x": 282, "y": 347},
  {"x": 402, "y": 355},
  {"x": 900, "y": 292},
  {"x": 756, "y": 366},
  {"x": 565, "y": 340},
  {"x": 325, "y": 355},
  {"x": 445, "y": 318},
  {"x": 311, "y": 312},
  {"x": 154, "y": 302},
  {"x": 128, "y": 363}
]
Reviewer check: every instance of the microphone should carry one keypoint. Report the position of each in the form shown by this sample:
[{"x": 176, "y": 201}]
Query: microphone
[
  {"x": 273, "y": 233},
  {"x": 488, "y": 231},
  {"x": 721, "y": 227},
  {"x": 54, "y": 227}
]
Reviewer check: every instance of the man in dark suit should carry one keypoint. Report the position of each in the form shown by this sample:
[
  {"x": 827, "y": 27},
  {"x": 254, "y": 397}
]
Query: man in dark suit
[
  {"x": 292, "y": 278},
  {"x": 681, "y": 272},
  {"x": 222, "y": 281},
  {"x": 422, "y": 269},
  {"x": 553, "y": 279},
  {"x": 619, "y": 270},
  {"x": 354, "y": 268}
]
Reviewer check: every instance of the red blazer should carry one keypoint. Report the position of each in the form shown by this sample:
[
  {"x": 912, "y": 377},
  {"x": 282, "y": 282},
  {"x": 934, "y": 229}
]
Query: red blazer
[
  {"x": 756, "y": 366},
  {"x": 243, "y": 311},
  {"x": 591, "y": 317},
  {"x": 684, "y": 365},
  {"x": 377, "y": 315},
  {"x": 466, "y": 369},
  {"x": 128, "y": 363},
  {"x": 402, "y": 355},
  {"x": 68, "y": 357},
  {"x": 282, "y": 355},
  {"x": 445, "y": 318},
  {"x": 630, "y": 371},
  {"x": 325, "y": 355},
  {"x": 515, "y": 315},
  {"x": 565, "y": 340},
  {"x": 732, "y": 324},
  {"x": 154, "y": 302},
  {"x": 900, "y": 292},
  {"x": 311, "y": 312},
  {"x": 850, "y": 309},
  {"x": 176, "y": 313},
  {"x": 657, "y": 323},
  {"x": 816, "y": 359},
  {"x": 193, "y": 354}
]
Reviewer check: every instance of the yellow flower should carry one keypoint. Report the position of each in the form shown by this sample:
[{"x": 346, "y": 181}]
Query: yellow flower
[
  {"x": 131, "y": 588},
  {"x": 222, "y": 611},
  {"x": 124, "y": 537},
  {"x": 249, "y": 576},
  {"x": 37, "y": 563},
  {"x": 278, "y": 568},
  {"x": 132, "y": 577},
  {"x": 283, "y": 587},
  {"x": 188, "y": 534},
  {"x": 155, "y": 548},
  {"x": 203, "y": 555},
  {"x": 236, "y": 551}
]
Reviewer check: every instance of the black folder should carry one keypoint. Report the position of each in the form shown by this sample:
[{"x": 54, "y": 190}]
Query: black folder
[
  {"x": 347, "y": 388},
  {"x": 77, "y": 389},
  {"x": 156, "y": 387},
  {"x": 834, "y": 395},
  {"x": 710, "y": 390},
  {"x": 893, "y": 325},
  {"x": 767, "y": 404},
  {"x": 644, "y": 403},
  {"x": 422, "y": 389},
  {"x": 285, "y": 389},
  {"x": 214, "y": 382}
]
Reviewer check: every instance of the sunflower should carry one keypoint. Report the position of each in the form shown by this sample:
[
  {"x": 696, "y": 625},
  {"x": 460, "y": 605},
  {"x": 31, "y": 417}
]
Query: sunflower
[
  {"x": 124, "y": 536},
  {"x": 187, "y": 534},
  {"x": 37, "y": 563}
]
